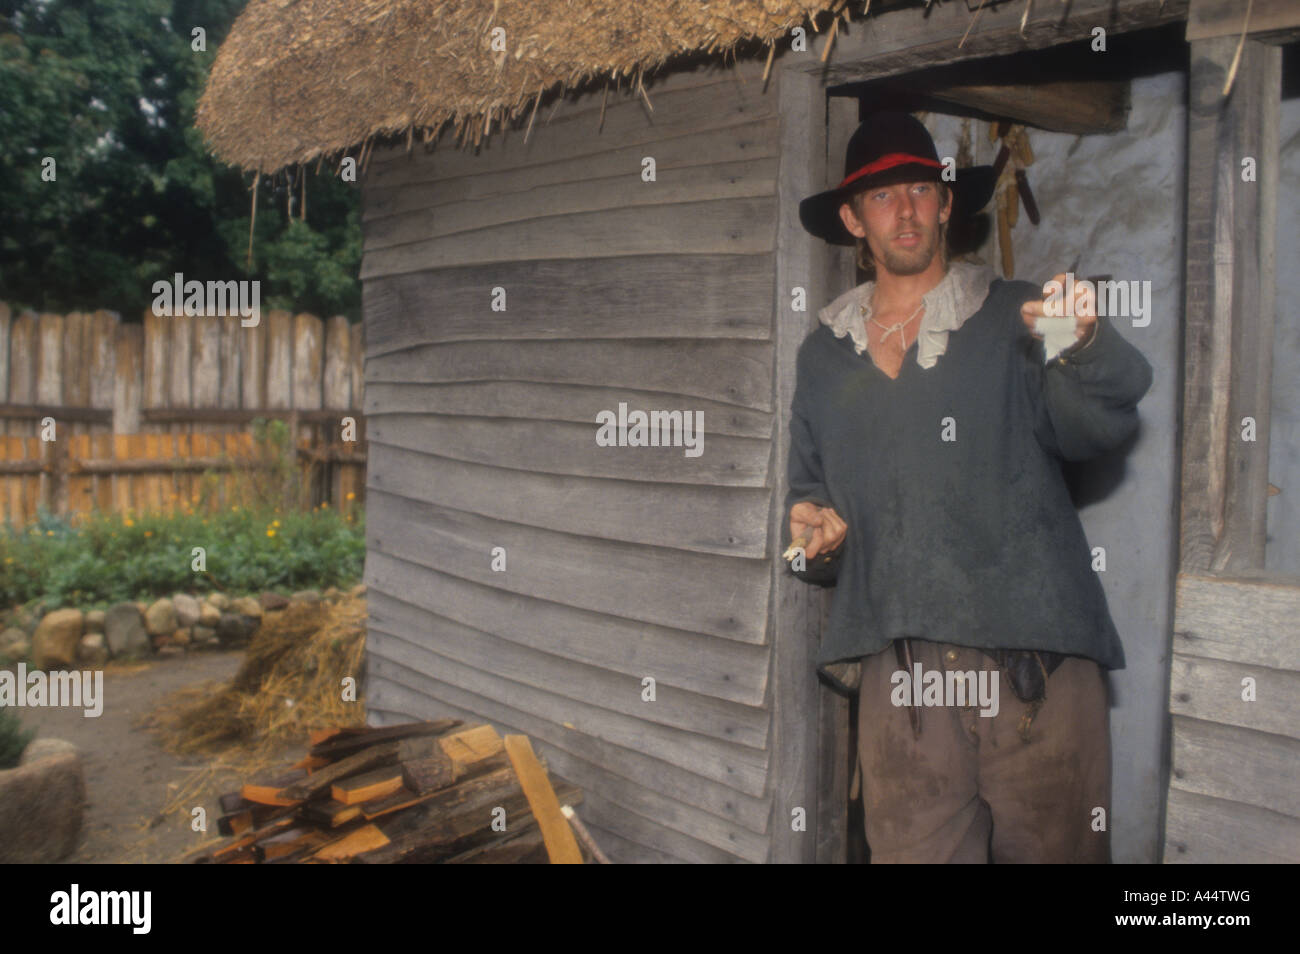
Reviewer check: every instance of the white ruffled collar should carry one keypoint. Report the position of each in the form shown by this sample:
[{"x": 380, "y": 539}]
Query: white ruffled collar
[{"x": 948, "y": 304}]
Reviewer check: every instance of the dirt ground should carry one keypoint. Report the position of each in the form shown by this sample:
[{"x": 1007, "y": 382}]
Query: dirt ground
[{"x": 130, "y": 779}]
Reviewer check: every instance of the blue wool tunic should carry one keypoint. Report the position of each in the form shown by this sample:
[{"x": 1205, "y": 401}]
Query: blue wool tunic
[{"x": 972, "y": 541}]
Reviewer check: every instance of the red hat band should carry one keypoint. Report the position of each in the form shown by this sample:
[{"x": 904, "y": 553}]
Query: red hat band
[{"x": 889, "y": 161}]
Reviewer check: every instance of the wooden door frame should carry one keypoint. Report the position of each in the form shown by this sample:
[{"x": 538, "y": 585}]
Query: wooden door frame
[{"x": 808, "y": 756}]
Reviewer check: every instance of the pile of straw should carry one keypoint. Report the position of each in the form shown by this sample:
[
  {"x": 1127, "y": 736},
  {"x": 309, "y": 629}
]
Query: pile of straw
[{"x": 289, "y": 684}]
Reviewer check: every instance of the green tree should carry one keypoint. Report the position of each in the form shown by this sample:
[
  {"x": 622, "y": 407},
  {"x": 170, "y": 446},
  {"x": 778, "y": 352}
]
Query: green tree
[{"x": 108, "y": 89}]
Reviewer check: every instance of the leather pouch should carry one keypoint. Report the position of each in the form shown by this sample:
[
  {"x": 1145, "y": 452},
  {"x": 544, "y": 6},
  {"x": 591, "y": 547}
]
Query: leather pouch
[{"x": 1027, "y": 670}]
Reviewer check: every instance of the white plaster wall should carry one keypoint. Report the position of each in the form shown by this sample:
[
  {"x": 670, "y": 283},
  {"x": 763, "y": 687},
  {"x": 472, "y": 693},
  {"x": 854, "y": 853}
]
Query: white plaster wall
[{"x": 1115, "y": 202}]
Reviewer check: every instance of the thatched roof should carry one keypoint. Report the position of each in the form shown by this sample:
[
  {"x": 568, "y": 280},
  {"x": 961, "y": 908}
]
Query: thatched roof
[{"x": 298, "y": 79}]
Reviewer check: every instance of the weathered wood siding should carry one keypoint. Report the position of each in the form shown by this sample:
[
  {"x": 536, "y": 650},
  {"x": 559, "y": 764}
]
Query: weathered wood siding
[{"x": 622, "y": 563}]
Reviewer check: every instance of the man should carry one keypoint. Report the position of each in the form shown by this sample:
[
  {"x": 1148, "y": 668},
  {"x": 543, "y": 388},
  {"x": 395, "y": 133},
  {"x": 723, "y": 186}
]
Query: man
[{"x": 929, "y": 489}]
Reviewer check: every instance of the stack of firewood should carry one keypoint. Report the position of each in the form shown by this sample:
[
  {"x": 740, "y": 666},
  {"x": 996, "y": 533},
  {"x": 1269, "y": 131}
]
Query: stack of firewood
[{"x": 419, "y": 792}]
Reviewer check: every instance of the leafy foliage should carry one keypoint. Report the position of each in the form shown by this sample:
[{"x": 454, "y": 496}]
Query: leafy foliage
[
  {"x": 110, "y": 559},
  {"x": 108, "y": 90},
  {"x": 13, "y": 738}
]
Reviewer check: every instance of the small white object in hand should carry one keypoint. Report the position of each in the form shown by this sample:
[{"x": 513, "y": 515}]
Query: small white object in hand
[{"x": 1058, "y": 334}]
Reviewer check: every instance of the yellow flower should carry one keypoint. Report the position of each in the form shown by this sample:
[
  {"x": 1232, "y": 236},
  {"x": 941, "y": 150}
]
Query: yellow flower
[
  {"x": 351, "y": 496},
  {"x": 275, "y": 523},
  {"x": 325, "y": 505},
  {"x": 49, "y": 533},
  {"x": 129, "y": 522},
  {"x": 148, "y": 533},
  {"x": 9, "y": 559},
  {"x": 270, "y": 532}
]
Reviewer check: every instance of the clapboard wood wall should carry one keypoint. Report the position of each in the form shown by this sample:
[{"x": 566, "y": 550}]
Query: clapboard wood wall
[{"x": 621, "y": 563}]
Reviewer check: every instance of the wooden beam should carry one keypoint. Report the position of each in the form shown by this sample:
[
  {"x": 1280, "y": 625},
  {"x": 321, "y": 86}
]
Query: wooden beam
[
  {"x": 1210, "y": 18},
  {"x": 1229, "y": 313},
  {"x": 34, "y": 412},
  {"x": 561, "y": 846},
  {"x": 794, "y": 611},
  {"x": 1079, "y": 107},
  {"x": 920, "y": 38},
  {"x": 219, "y": 415}
]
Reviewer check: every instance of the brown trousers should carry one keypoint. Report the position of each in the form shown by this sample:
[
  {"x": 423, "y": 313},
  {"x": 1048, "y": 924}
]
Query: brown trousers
[{"x": 971, "y": 789}]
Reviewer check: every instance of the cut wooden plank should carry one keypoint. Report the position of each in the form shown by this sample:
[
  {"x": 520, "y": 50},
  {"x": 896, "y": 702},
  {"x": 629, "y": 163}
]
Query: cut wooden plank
[
  {"x": 727, "y": 371},
  {"x": 252, "y": 364},
  {"x": 1078, "y": 107},
  {"x": 279, "y": 359},
  {"x": 237, "y": 823},
  {"x": 341, "y": 742},
  {"x": 687, "y": 798},
  {"x": 128, "y": 347},
  {"x": 311, "y": 763},
  {"x": 362, "y": 840},
  {"x": 317, "y": 736},
  {"x": 271, "y": 792},
  {"x": 702, "y": 807},
  {"x": 428, "y": 774},
  {"x": 626, "y": 510},
  {"x": 49, "y": 359},
  {"x": 268, "y": 830},
  {"x": 376, "y": 784},
  {"x": 230, "y": 349},
  {"x": 458, "y": 819},
  {"x": 321, "y": 780},
  {"x": 232, "y": 802},
  {"x": 308, "y": 361},
  {"x": 526, "y": 400},
  {"x": 336, "y": 386},
  {"x": 561, "y": 846},
  {"x": 617, "y": 579},
  {"x": 468, "y": 747},
  {"x": 292, "y": 844},
  {"x": 521, "y": 846},
  {"x": 330, "y": 813}
]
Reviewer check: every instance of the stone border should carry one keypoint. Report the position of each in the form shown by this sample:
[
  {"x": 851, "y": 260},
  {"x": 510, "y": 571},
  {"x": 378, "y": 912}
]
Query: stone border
[{"x": 172, "y": 626}]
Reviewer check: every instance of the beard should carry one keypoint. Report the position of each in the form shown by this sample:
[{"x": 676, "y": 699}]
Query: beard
[{"x": 911, "y": 261}]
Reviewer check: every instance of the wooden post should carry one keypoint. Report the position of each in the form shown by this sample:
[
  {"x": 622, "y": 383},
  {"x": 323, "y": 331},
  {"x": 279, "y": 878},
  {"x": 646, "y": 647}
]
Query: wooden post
[
  {"x": 797, "y": 719},
  {"x": 1228, "y": 334},
  {"x": 836, "y": 755}
]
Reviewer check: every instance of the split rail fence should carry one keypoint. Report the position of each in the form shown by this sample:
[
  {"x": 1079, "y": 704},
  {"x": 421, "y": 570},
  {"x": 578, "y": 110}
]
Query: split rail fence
[{"x": 153, "y": 416}]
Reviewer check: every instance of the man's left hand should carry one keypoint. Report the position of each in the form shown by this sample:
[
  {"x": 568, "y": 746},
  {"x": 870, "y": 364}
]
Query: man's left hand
[{"x": 1084, "y": 310}]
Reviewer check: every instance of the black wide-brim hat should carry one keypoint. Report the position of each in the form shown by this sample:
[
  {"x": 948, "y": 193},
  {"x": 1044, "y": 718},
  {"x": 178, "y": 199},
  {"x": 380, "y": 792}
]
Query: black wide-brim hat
[{"x": 889, "y": 148}]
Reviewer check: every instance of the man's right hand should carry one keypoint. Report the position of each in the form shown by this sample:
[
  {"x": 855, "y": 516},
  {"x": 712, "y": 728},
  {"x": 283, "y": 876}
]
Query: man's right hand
[{"x": 824, "y": 529}]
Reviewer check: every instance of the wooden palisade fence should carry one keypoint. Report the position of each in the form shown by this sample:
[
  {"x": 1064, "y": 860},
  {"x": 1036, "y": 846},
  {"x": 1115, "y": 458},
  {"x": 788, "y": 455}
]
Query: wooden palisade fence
[{"x": 142, "y": 411}]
